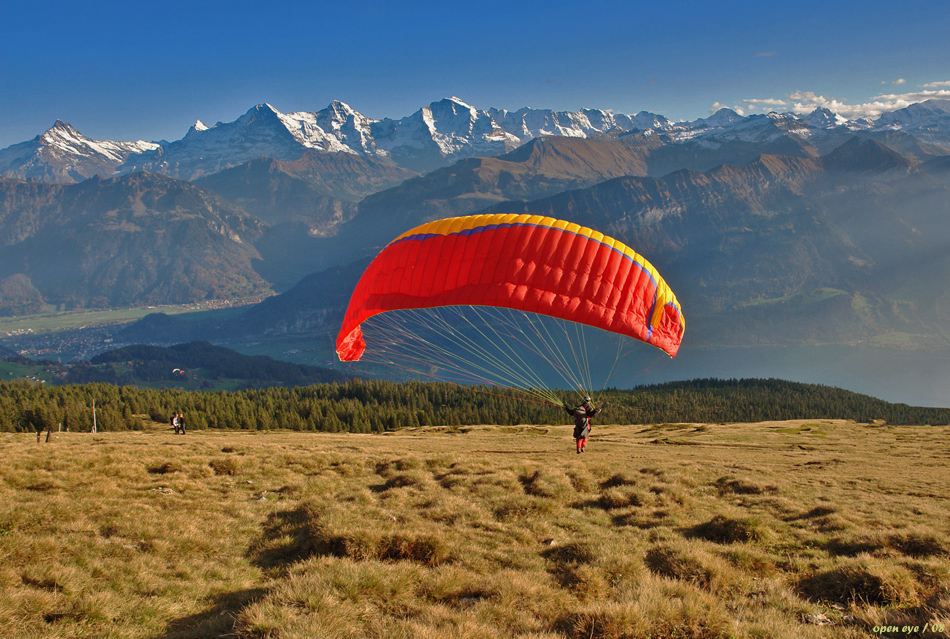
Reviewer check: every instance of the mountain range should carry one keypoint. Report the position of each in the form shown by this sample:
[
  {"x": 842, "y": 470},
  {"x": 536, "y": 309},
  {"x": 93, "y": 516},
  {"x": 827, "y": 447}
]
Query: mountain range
[
  {"x": 850, "y": 247},
  {"x": 773, "y": 229},
  {"x": 436, "y": 135}
]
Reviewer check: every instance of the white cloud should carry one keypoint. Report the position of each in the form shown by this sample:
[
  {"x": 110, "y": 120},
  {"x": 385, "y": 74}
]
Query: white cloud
[
  {"x": 804, "y": 102},
  {"x": 765, "y": 102},
  {"x": 808, "y": 101}
]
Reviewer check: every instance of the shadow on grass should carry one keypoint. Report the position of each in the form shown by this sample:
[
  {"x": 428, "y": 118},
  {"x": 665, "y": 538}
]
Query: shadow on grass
[
  {"x": 286, "y": 538},
  {"x": 218, "y": 621},
  {"x": 565, "y": 561}
]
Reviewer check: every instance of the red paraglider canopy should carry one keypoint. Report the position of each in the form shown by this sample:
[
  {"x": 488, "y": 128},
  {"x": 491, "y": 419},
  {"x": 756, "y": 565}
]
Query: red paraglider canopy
[{"x": 524, "y": 262}]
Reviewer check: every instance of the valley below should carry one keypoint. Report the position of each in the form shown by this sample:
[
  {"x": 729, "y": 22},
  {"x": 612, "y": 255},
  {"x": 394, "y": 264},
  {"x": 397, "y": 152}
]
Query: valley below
[{"x": 901, "y": 371}]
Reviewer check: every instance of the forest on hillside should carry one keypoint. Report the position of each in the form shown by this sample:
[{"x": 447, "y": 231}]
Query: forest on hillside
[{"x": 364, "y": 406}]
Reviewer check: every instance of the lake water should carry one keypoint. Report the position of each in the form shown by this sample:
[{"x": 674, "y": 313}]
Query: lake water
[
  {"x": 481, "y": 338},
  {"x": 919, "y": 378}
]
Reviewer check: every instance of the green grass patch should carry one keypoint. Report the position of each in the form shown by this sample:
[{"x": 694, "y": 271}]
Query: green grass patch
[{"x": 63, "y": 320}]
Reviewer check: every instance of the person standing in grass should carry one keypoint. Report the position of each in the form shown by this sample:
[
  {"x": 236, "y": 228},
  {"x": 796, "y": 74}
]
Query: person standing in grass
[
  {"x": 582, "y": 425},
  {"x": 181, "y": 423}
]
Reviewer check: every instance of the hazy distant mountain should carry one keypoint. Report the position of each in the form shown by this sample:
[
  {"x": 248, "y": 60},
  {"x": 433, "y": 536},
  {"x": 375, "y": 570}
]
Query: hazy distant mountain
[
  {"x": 550, "y": 165},
  {"x": 313, "y": 306},
  {"x": 929, "y": 121},
  {"x": 544, "y": 166},
  {"x": 302, "y": 200},
  {"x": 844, "y": 247},
  {"x": 273, "y": 195},
  {"x": 18, "y": 296},
  {"x": 786, "y": 250},
  {"x": 938, "y": 166},
  {"x": 318, "y": 190},
  {"x": 134, "y": 240}
]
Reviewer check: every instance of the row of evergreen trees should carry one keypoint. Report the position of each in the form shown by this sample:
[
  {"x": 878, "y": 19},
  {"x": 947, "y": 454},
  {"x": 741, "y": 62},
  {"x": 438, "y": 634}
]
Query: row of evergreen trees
[{"x": 375, "y": 406}]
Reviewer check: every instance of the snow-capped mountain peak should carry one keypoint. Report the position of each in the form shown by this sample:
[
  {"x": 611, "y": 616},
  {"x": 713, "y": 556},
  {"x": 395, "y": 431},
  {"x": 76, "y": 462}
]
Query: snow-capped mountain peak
[
  {"x": 822, "y": 118},
  {"x": 63, "y": 154},
  {"x": 349, "y": 127},
  {"x": 197, "y": 127},
  {"x": 721, "y": 118},
  {"x": 60, "y": 128},
  {"x": 63, "y": 138},
  {"x": 436, "y": 135},
  {"x": 916, "y": 116},
  {"x": 929, "y": 121}
]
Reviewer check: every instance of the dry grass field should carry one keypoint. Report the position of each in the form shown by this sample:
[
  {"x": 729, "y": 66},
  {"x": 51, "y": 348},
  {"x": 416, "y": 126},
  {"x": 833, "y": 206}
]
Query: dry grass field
[{"x": 794, "y": 529}]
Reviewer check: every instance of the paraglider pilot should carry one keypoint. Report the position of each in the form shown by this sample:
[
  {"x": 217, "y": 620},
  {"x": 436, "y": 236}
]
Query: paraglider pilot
[{"x": 582, "y": 415}]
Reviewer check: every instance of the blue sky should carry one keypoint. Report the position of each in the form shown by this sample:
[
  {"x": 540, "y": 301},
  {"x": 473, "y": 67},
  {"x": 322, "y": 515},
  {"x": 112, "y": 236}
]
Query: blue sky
[{"x": 147, "y": 70}]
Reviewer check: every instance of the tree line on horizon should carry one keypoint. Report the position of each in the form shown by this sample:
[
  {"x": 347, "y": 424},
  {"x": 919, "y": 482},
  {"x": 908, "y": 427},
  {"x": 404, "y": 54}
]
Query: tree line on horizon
[{"x": 374, "y": 406}]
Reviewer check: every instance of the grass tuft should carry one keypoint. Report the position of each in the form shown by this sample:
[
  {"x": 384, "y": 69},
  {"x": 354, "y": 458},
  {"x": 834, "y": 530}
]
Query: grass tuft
[
  {"x": 916, "y": 544},
  {"x": 659, "y": 612},
  {"x": 225, "y": 466},
  {"x": 862, "y": 581},
  {"x": 677, "y": 563},
  {"x": 729, "y": 530},
  {"x": 815, "y": 513},
  {"x": 614, "y": 498},
  {"x": 619, "y": 479},
  {"x": 572, "y": 553},
  {"x": 738, "y": 486},
  {"x": 920, "y": 543},
  {"x": 166, "y": 468}
]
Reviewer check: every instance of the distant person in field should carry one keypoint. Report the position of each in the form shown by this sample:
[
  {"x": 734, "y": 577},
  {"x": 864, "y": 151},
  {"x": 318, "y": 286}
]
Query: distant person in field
[
  {"x": 175, "y": 422},
  {"x": 181, "y": 423},
  {"x": 582, "y": 425}
]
